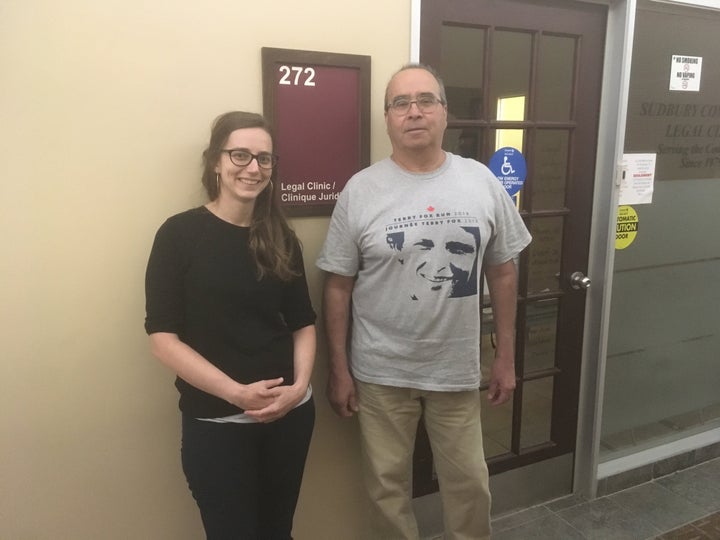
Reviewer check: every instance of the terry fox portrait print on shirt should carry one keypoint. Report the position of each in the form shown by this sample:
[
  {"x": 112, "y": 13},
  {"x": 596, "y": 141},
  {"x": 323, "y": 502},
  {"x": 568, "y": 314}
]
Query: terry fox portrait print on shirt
[{"x": 438, "y": 251}]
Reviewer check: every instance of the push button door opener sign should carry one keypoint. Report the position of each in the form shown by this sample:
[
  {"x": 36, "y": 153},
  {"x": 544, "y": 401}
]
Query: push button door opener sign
[{"x": 509, "y": 166}]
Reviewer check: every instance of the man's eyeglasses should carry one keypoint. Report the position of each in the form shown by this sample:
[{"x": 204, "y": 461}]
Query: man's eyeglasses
[
  {"x": 242, "y": 158},
  {"x": 425, "y": 104}
]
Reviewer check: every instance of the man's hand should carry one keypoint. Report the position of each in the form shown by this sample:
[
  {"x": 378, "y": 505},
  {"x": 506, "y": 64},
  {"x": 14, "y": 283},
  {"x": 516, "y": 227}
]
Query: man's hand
[
  {"x": 502, "y": 381},
  {"x": 341, "y": 393}
]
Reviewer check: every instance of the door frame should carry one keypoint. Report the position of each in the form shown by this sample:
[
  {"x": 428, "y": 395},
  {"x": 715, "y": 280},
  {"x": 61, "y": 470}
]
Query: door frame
[{"x": 611, "y": 130}]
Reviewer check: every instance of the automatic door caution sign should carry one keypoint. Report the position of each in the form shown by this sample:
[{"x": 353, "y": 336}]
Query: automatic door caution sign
[{"x": 626, "y": 228}]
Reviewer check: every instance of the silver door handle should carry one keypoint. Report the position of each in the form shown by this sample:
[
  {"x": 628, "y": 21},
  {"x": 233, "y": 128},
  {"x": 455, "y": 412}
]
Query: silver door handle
[{"x": 578, "y": 281}]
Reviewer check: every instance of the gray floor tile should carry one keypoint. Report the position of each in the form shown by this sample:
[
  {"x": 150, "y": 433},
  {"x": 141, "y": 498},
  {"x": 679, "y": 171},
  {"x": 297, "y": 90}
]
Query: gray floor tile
[
  {"x": 547, "y": 528},
  {"x": 681, "y": 506},
  {"x": 657, "y": 505},
  {"x": 710, "y": 468},
  {"x": 565, "y": 502},
  {"x": 696, "y": 486},
  {"x": 602, "y": 519},
  {"x": 519, "y": 518}
]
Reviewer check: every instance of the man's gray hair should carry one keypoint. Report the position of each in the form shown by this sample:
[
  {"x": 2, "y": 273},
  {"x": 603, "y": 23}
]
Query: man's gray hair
[{"x": 418, "y": 65}]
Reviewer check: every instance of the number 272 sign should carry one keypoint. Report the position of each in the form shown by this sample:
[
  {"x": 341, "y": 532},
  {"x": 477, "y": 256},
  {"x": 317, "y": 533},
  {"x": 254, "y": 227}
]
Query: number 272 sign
[{"x": 319, "y": 106}]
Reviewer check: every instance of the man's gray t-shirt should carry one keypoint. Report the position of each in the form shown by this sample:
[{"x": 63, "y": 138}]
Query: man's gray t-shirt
[{"x": 416, "y": 243}]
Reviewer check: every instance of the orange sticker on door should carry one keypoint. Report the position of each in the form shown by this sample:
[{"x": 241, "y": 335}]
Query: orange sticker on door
[{"x": 626, "y": 228}]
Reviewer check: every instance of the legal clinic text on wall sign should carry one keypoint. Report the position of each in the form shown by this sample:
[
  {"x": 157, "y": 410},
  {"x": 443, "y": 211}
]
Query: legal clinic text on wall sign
[
  {"x": 318, "y": 104},
  {"x": 686, "y": 137}
]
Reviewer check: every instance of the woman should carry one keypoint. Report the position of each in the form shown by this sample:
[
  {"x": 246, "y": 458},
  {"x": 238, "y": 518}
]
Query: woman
[{"x": 228, "y": 311}]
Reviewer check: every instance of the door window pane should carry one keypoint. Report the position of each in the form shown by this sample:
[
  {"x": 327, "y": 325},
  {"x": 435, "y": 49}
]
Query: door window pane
[
  {"x": 466, "y": 142},
  {"x": 540, "y": 339},
  {"x": 496, "y": 421},
  {"x": 549, "y": 169},
  {"x": 510, "y": 67},
  {"x": 536, "y": 412},
  {"x": 511, "y": 108},
  {"x": 496, "y": 426},
  {"x": 462, "y": 52},
  {"x": 545, "y": 252},
  {"x": 556, "y": 65},
  {"x": 509, "y": 137}
]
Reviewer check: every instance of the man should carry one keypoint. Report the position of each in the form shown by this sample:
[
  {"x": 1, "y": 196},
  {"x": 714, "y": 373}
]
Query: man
[{"x": 413, "y": 354}]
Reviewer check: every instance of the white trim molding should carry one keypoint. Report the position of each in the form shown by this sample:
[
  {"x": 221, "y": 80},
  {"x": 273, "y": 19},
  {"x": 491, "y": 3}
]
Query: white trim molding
[
  {"x": 707, "y": 4},
  {"x": 658, "y": 453}
]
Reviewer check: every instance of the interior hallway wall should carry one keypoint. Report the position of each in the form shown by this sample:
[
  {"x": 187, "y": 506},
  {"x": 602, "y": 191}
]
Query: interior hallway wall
[{"x": 104, "y": 111}]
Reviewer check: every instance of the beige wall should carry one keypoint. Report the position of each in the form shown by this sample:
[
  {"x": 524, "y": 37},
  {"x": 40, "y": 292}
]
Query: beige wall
[{"x": 104, "y": 109}]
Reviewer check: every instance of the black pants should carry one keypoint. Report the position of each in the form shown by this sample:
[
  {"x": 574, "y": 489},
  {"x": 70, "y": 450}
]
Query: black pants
[{"x": 246, "y": 478}]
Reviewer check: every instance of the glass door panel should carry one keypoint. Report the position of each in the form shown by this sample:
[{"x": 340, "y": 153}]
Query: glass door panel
[
  {"x": 540, "y": 335},
  {"x": 466, "y": 142},
  {"x": 497, "y": 427},
  {"x": 556, "y": 62},
  {"x": 545, "y": 255},
  {"x": 509, "y": 137},
  {"x": 536, "y": 412},
  {"x": 510, "y": 67},
  {"x": 463, "y": 54},
  {"x": 549, "y": 169}
]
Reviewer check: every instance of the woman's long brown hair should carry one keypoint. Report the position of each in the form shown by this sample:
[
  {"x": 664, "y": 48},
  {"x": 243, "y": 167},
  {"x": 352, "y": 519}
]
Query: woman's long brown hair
[{"x": 272, "y": 241}]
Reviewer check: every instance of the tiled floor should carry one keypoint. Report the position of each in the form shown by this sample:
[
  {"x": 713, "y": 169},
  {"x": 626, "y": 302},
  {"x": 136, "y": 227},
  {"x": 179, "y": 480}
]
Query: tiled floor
[{"x": 684, "y": 506}]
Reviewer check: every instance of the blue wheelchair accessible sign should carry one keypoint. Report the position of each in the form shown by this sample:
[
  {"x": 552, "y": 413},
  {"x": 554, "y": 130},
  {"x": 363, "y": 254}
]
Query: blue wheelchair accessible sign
[{"x": 508, "y": 164}]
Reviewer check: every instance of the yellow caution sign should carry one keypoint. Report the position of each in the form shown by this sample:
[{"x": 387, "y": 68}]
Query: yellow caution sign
[{"x": 626, "y": 228}]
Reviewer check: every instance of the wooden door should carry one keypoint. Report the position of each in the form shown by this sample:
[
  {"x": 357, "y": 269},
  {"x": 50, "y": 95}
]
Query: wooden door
[{"x": 527, "y": 74}]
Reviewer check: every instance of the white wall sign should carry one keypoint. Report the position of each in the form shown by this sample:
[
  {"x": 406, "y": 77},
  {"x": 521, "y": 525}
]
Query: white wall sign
[
  {"x": 638, "y": 179},
  {"x": 685, "y": 73}
]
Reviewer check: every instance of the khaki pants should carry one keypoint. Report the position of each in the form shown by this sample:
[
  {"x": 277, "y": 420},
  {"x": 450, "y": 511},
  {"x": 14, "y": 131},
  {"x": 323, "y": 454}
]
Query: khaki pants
[{"x": 388, "y": 421}]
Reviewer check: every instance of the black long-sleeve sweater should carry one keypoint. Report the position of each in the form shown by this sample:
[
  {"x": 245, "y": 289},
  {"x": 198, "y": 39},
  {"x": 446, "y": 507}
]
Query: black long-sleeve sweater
[{"x": 201, "y": 285}]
